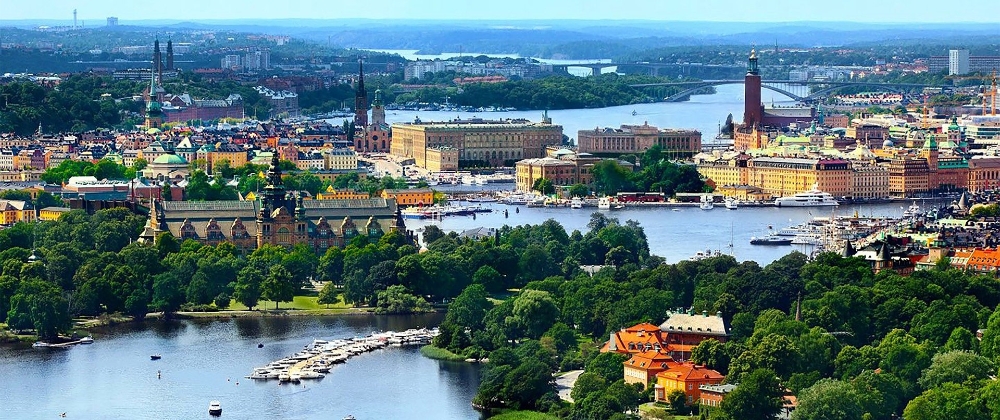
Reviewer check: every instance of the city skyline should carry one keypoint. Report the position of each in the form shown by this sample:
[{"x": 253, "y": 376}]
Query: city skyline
[{"x": 896, "y": 11}]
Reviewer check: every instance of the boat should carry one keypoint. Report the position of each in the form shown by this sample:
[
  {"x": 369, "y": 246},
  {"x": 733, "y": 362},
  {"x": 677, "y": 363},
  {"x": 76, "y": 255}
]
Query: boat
[
  {"x": 771, "y": 240},
  {"x": 701, "y": 255},
  {"x": 350, "y": 417},
  {"x": 912, "y": 211},
  {"x": 87, "y": 340},
  {"x": 812, "y": 198},
  {"x": 576, "y": 203},
  {"x": 155, "y": 357},
  {"x": 604, "y": 203},
  {"x": 215, "y": 408},
  {"x": 634, "y": 113},
  {"x": 706, "y": 202},
  {"x": 618, "y": 206},
  {"x": 731, "y": 203},
  {"x": 807, "y": 239},
  {"x": 40, "y": 345}
]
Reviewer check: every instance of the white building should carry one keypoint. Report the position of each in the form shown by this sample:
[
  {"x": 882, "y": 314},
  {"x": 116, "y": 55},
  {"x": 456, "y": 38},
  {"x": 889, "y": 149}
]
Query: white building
[
  {"x": 958, "y": 62},
  {"x": 341, "y": 159}
]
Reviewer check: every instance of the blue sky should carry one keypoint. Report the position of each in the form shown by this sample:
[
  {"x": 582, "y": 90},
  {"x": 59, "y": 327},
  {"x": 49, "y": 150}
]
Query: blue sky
[{"x": 676, "y": 10}]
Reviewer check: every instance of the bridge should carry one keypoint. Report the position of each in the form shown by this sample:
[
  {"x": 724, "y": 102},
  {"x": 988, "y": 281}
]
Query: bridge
[
  {"x": 788, "y": 87},
  {"x": 653, "y": 69}
]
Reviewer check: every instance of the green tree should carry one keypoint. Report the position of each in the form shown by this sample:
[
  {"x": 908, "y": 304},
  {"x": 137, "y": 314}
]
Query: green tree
[
  {"x": 167, "y": 293},
  {"x": 543, "y": 186},
  {"x": 829, "y": 399},
  {"x": 949, "y": 401},
  {"x": 955, "y": 366},
  {"x": 40, "y": 305},
  {"x": 397, "y": 300},
  {"x": 759, "y": 396},
  {"x": 277, "y": 286},
  {"x": 607, "y": 366},
  {"x": 535, "y": 311},
  {"x": 247, "y": 290},
  {"x": 586, "y": 384},
  {"x": 961, "y": 339},
  {"x": 469, "y": 308},
  {"x": 578, "y": 190},
  {"x": 329, "y": 294}
]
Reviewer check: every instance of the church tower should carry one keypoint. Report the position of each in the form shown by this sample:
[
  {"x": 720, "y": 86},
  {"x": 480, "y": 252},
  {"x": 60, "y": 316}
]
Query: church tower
[
  {"x": 170, "y": 55},
  {"x": 752, "y": 107},
  {"x": 378, "y": 110},
  {"x": 361, "y": 101},
  {"x": 157, "y": 60},
  {"x": 154, "y": 114}
]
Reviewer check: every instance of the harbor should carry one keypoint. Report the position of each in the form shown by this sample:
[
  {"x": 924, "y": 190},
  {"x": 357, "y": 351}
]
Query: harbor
[{"x": 318, "y": 357}]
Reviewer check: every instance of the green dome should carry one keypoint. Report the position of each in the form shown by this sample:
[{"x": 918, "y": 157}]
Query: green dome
[{"x": 170, "y": 159}]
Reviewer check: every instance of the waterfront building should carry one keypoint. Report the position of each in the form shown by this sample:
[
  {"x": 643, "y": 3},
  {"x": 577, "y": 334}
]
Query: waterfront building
[
  {"x": 757, "y": 121},
  {"x": 908, "y": 176},
  {"x": 409, "y": 197},
  {"x": 635, "y": 139},
  {"x": 475, "y": 141},
  {"x": 566, "y": 169},
  {"x": 782, "y": 177},
  {"x": 869, "y": 182},
  {"x": 984, "y": 173},
  {"x": 278, "y": 218}
]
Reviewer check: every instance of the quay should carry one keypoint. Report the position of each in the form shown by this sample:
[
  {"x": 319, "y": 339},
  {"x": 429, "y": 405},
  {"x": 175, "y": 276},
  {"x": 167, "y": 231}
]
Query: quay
[{"x": 318, "y": 357}]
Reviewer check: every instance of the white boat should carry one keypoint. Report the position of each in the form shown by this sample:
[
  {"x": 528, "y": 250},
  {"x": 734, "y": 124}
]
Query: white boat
[
  {"x": 215, "y": 408},
  {"x": 576, "y": 203},
  {"x": 701, "y": 255},
  {"x": 706, "y": 202},
  {"x": 811, "y": 198},
  {"x": 40, "y": 345},
  {"x": 807, "y": 239},
  {"x": 912, "y": 211},
  {"x": 87, "y": 340},
  {"x": 604, "y": 203},
  {"x": 731, "y": 203}
]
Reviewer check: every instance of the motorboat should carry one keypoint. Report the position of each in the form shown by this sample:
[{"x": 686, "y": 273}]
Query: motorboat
[
  {"x": 576, "y": 203},
  {"x": 350, "y": 417},
  {"x": 912, "y": 211},
  {"x": 701, "y": 255},
  {"x": 811, "y": 198},
  {"x": 215, "y": 408},
  {"x": 807, "y": 239},
  {"x": 155, "y": 357},
  {"x": 771, "y": 240},
  {"x": 604, "y": 203},
  {"x": 731, "y": 203},
  {"x": 706, "y": 202},
  {"x": 87, "y": 340},
  {"x": 41, "y": 345}
]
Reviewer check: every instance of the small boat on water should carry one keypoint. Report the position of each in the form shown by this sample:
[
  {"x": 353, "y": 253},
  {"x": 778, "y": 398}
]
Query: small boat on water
[
  {"x": 215, "y": 408},
  {"x": 706, "y": 202},
  {"x": 604, "y": 203},
  {"x": 155, "y": 357},
  {"x": 576, "y": 203},
  {"x": 41, "y": 345},
  {"x": 731, "y": 203},
  {"x": 912, "y": 211},
  {"x": 87, "y": 340},
  {"x": 350, "y": 417}
]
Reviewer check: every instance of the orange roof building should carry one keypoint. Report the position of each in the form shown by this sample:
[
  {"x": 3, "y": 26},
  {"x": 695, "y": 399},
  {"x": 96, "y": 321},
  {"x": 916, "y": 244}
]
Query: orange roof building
[
  {"x": 687, "y": 377},
  {"x": 643, "y": 367},
  {"x": 638, "y": 338}
]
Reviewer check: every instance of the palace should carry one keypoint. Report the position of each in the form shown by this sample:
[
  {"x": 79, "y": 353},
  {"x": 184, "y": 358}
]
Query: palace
[
  {"x": 637, "y": 138},
  {"x": 281, "y": 218}
]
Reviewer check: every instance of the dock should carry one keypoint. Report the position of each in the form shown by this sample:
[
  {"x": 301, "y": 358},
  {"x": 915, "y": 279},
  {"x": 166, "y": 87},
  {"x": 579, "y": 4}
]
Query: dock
[{"x": 318, "y": 357}]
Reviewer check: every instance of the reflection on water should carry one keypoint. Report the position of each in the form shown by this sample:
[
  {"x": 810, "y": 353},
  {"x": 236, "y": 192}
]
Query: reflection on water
[{"x": 204, "y": 359}]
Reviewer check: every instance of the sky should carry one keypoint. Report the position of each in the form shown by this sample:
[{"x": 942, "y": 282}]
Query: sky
[{"x": 880, "y": 11}]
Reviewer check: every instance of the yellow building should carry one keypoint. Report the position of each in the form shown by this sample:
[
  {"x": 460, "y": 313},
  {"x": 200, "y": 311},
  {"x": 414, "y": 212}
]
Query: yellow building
[
  {"x": 13, "y": 211},
  {"x": 52, "y": 213},
  {"x": 783, "y": 177},
  {"x": 563, "y": 170},
  {"x": 476, "y": 140},
  {"x": 870, "y": 181},
  {"x": 442, "y": 159},
  {"x": 236, "y": 155},
  {"x": 908, "y": 176},
  {"x": 341, "y": 194},
  {"x": 410, "y": 196}
]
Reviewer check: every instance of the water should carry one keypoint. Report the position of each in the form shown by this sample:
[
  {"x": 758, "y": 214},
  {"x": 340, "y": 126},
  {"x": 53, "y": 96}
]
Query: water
[
  {"x": 203, "y": 360},
  {"x": 703, "y": 112},
  {"x": 677, "y": 235}
]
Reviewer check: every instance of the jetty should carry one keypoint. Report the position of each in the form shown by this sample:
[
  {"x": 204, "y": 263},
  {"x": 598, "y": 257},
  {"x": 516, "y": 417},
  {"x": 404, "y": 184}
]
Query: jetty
[{"x": 318, "y": 357}]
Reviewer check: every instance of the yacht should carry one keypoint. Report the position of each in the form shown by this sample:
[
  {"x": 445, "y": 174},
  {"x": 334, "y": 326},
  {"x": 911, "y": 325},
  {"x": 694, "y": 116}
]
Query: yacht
[
  {"x": 706, "y": 202},
  {"x": 912, "y": 211},
  {"x": 576, "y": 203},
  {"x": 215, "y": 408},
  {"x": 604, "y": 203},
  {"x": 811, "y": 198},
  {"x": 731, "y": 203},
  {"x": 771, "y": 240}
]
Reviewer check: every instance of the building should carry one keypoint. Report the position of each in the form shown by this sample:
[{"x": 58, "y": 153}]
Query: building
[
  {"x": 958, "y": 62},
  {"x": 869, "y": 182},
  {"x": 640, "y": 338},
  {"x": 231, "y": 62},
  {"x": 182, "y": 108},
  {"x": 642, "y": 368},
  {"x": 257, "y": 60},
  {"x": 984, "y": 173},
  {"x": 283, "y": 103},
  {"x": 908, "y": 176},
  {"x": 361, "y": 100},
  {"x": 375, "y": 137},
  {"x": 976, "y": 63},
  {"x": 234, "y": 154},
  {"x": 410, "y": 196},
  {"x": 13, "y": 211},
  {"x": 712, "y": 395},
  {"x": 685, "y": 330},
  {"x": 52, "y": 213},
  {"x": 686, "y": 377},
  {"x": 635, "y": 139},
  {"x": 280, "y": 218},
  {"x": 341, "y": 194},
  {"x": 757, "y": 121},
  {"x": 167, "y": 167},
  {"x": 564, "y": 169},
  {"x": 476, "y": 141},
  {"x": 340, "y": 159},
  {"x": 782, "y": 177}
]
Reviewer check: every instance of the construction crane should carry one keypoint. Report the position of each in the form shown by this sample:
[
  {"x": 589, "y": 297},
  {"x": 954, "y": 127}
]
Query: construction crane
[{"x": 992, "y": 95}]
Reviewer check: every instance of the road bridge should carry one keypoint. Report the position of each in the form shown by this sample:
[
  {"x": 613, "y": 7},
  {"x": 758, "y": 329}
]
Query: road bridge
[{"x": 786, "y": 87}]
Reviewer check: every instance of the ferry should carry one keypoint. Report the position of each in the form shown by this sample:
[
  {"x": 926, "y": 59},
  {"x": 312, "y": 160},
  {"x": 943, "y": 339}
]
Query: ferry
[
  {"x": 770, "y": 240},
  {"x": 706, "y": 202},
  {"x": 604, "y": 203},
  {"x": 811, "y": 198},
  {"x": 731, "y": 203}
]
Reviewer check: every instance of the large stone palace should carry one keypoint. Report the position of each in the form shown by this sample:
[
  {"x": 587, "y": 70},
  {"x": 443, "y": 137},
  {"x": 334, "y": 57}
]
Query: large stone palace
[{"x": 280, "y": 218}]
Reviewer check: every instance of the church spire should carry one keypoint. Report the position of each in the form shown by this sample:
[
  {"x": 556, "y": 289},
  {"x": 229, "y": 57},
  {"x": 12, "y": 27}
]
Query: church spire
[{"x": 361, "y": 100}]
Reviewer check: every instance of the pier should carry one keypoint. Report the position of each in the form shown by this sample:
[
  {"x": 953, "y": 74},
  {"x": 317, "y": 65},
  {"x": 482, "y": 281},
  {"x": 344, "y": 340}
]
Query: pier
[{"x": 318, "y": 357}]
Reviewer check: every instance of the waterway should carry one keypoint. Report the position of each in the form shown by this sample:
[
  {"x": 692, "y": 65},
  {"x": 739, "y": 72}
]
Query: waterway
[
  {"x": 204, "y": 360},
  {"x": 702, "y": 112}
]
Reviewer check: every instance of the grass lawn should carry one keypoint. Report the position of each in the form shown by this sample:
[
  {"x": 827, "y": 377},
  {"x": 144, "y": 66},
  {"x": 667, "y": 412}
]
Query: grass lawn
[
  {"x": 438, "y": 353},
  {"x": 523, "y": 415},
  {"x": 307, "y": 303}
]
